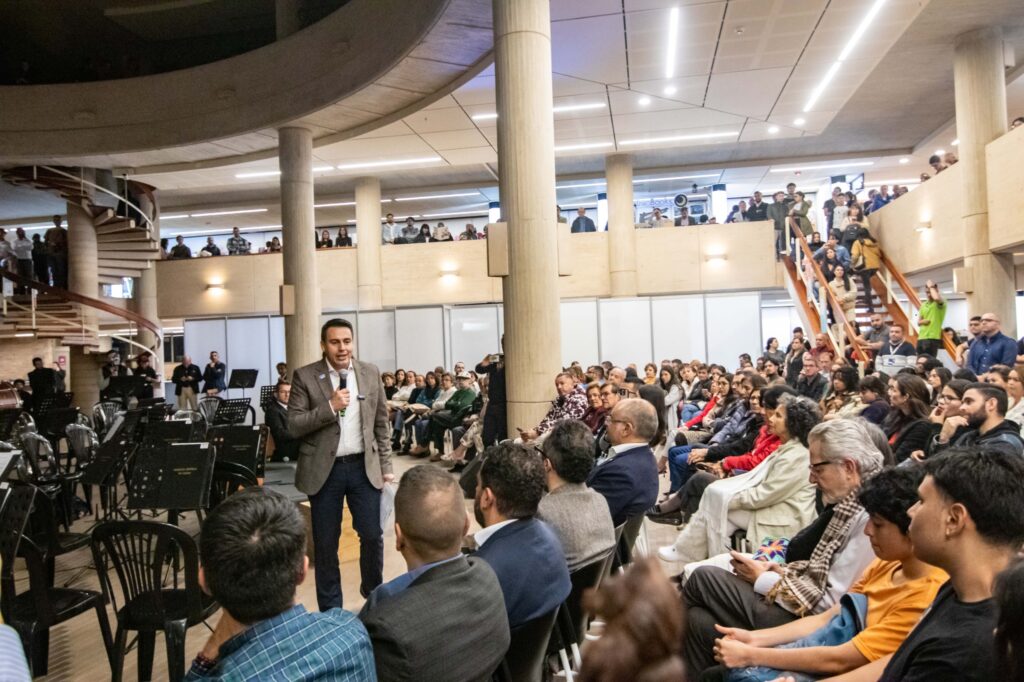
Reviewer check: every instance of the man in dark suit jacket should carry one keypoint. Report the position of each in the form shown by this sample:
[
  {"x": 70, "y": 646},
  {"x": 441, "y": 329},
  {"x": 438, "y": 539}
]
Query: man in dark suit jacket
[
  {"x": 44, "y": 381},
  {"x": 338, "y": 412},
  {"x": 582, "y": 222},
  {"x": 286, "y": 446},
  {"x": 523, "y": 551},
  {"x": 445, "y": 618},
  {"x": 628, "y": 479}
]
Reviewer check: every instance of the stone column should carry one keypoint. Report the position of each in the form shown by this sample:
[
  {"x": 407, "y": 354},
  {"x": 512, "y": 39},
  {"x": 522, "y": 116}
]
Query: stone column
[
  {"x": 144, "y": 299},
  {"x": 526, "y": 171},
  {"x": 287, "y": 17},
  {"x": 302, "y": 327},
  {"x": 980, "y": 88},
  {"x": 83, "y": 279},
  {"x": 618, "y": 169},
  {"x": 368, "y": 251}
]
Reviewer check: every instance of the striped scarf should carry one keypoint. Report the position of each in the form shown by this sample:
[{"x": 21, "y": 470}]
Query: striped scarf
[{"x": 803, "y": 582}]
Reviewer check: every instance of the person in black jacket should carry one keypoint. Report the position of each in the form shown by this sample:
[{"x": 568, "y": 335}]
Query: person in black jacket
[
  {"x": 982, "y": 422},
  {"x": 907, "y": 426},
  {"x": 214, "y": 375},
  {"x": 286, "y": 447},
  {"x": 757, "y": 210},
  {"x": 186, "y": 378},
  {"x": 495, "y": 419},
  {"x": 811, "y": 383}
]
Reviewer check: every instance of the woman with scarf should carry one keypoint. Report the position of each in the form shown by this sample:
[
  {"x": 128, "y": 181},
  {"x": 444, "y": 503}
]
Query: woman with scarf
[{"x": 843, "y": 400}]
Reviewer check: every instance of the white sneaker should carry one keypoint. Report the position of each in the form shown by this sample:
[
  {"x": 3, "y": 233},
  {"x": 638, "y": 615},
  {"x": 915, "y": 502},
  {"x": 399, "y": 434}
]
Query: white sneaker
[{"x": 669, "y": 553}]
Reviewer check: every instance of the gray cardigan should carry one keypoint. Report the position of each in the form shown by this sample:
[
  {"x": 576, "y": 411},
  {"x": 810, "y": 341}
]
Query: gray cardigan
[{"x": 580, "y": 518}]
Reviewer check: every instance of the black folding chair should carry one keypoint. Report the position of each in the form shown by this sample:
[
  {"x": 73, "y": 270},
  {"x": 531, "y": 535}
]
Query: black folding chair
[
  {"x": 139, "y": 551},
  {"x": 228, "y": 479},
  {"x": 624, "y": 555},
  {"x": 524, "y": 661},
  {"x": 571, "y": 625}
]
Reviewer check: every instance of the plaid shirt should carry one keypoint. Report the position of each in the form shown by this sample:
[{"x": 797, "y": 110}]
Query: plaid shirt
[
  {"x": 237, "y": 245},
  {"x": 564, "y": 407},
  {"x": 296, "y": 645}
]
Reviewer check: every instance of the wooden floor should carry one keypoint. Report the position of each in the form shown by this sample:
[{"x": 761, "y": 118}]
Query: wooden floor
[{"x": 76, "y": 648}]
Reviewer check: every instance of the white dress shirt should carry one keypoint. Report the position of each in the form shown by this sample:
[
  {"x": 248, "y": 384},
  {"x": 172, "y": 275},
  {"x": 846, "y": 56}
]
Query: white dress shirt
[
  {"x": 351, "y": 441},
  {"x": 481, "y": 536}
]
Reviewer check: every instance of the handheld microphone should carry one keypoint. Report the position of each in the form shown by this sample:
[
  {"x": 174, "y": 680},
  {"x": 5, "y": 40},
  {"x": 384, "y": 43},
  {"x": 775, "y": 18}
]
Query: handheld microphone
[{"x": 342, "y": 381}]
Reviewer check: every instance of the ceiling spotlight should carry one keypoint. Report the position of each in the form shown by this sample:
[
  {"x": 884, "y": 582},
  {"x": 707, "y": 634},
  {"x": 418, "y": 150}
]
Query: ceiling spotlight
[
  {"x": 799, "y": 121},
  {"x": 644, "y": 101},
  {"x": 904, "y": 160},
  {"x": 669, "y": 90},
  {"x": 956, "y": 142},
  {"x": 773, "y": 129},
  {"x": 940, "y": 152}
]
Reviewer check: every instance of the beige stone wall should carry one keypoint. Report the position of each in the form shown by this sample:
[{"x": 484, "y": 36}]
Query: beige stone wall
[
  {"x": 1005, "y": 195},
  {"x": 16, "y": 356},
  {"x": 669, "y": 261}
]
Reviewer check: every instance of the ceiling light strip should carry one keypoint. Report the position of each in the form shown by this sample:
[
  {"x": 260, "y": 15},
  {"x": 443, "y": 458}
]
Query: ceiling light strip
[
  {"x": 588, "y": 145},
  {"x": 438, "y": 196},
  {"x": 858, "y": 33},
  {"x": 826, "y": 166},
  {"x": 673, "y": 42},
  {"x": 679, "y": 138},
  {"x": 386, "y": 164},
  {"x": 219, "y": 213}
]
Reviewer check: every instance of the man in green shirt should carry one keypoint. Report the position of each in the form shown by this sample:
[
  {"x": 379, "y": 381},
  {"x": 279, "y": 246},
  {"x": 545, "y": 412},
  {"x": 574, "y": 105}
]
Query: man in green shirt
[
  {"x": 929, "y": 320},
  {"x": 457, "y": 408}
]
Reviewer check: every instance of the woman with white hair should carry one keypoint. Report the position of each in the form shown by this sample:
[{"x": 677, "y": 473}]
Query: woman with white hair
[
  {"x": 773, "y": 500},
  {"x": 822, "y": 561}
]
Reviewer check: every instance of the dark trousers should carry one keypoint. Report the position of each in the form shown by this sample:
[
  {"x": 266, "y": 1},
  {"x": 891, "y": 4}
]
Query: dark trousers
[
  {"x": 59, "y": 268},
  {"x": 713, "y": 595},
  {"x": 929, "y": 346},
  {"x": 347, "y": 480},
  {"x": 869, "y": 292},
  {"x": 495, "y": 424}
]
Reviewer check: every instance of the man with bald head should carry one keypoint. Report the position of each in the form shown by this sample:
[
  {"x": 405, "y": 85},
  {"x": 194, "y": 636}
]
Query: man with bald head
[
  {"x": 445, "y": 618},
  {"x": 617, "y": 376},
  {"x": 628, "y": 478},
  {"x": 186, "y": 378},
  {"x": 991, "y": 347}
]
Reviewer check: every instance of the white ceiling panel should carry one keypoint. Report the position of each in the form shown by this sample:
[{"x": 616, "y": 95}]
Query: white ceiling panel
[
  {"x": 563, "y": 85},
  {"x": 377, "y": 148},
  {"x": 689, "y": 90},
  {"x": 629, "y": 102},
  {"x": 391, "y": 130},
  {"x": 457, "y": 139},
  {"x": 462, "y": 157},
  {"x": 593, "y": 48},
  {"x": 642, "y": 5},
  {"x": 480, "y": 90},
  {"x": 756, "y": 130},
  {"x": 575, "y": 9},
  {"x": 747, "y": 93},
  {"x": 738, "y": 174},
  {"x": 648, "y": 41},
  {"x": 439, "y": 120},
  {"x": 583, "y": 127},
  {"x": 762, "y": 34},
  {"x": 657, "y": 121},
  {"x": 445, "y": 102}
]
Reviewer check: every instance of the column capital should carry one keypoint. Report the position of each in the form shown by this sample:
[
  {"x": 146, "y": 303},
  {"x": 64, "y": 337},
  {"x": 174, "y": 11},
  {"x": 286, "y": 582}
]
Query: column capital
[{"x": 984, "y": 34}]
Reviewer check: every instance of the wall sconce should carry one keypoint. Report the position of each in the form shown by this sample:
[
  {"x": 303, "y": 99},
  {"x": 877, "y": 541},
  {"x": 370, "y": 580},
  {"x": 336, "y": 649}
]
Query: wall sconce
[
  {"x": 924, "y": 226},
  {"x": 24, "y": 335},
  {"x": 717, "y": 259},
  {"x": 215, "y": 287}
]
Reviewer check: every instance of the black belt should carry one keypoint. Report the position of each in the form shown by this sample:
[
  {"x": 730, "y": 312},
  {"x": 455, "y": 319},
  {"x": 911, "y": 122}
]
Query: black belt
[{"x": 349, "y": 458}]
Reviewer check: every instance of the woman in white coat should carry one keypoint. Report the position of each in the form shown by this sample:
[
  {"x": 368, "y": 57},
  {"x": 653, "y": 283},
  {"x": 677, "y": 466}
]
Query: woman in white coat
[
  {"x": 774, "y": 500},
  {"x": 669, "y": 382}
]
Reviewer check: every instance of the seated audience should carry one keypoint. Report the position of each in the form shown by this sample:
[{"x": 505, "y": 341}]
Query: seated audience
[
  {"x": 907, "y": 425},
  {"x": 982, "y": 422},
  {"x": 968, "y": 521},
  {"x": 643, "y": 626},
  {"x": 872, "y": 619},
  {"x": 990, "y": 347},
  {"x": 628, "y": 477},
  {"x": 950, "y": 400},
  {"x": 523, "y": 551},
  {"x": 444, "y": 619},
  {"x": 286, "y": 447},
  {"x": 822, "y": 561},
  {"x": 811, "y": 384},
  {"x": 873, "y": 395},
  {"x": 571, "y": 403},
  {"x": 595, "y": 414},
  {"x": 456, "y": 408},
  {"x": 253, "y": 553},
  {"x": 774, "y": 500},
  {"x": 1009, "y": 596},
  {"x": 844, "y": 401},
  {"x": 578, "y": 515}
]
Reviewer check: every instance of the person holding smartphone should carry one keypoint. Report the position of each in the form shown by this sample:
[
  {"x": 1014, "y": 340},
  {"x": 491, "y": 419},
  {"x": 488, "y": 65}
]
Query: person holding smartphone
[{"x": 496, "y": 416}]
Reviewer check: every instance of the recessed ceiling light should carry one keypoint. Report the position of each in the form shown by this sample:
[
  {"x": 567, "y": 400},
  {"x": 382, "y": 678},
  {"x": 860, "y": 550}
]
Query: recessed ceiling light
[
  {"x": 669, "y": 90},
  {"x": 644, "y": 101},
  {"x": 257, "y": 174},
  {"x": 673, "y": 39},
  {"x": 799, "y": 121},
  {"x": 678, "y": 138},
  {"x": 940, "y": 152},
  {"x": 588, "y": 145},
  {"x": 485, "y": 116},
  {"x": 578, "y": 107},
  {"x": 791, "y": 169},
  {"x": 380, "y": 164},
  {"x": 773, "y": 129},
  {"x": 955, "y": 142},
  {"x": 904, "y": 160}
]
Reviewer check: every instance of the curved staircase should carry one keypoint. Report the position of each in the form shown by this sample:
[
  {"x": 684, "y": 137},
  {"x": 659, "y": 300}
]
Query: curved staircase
[{"x": 127, "y": 243}]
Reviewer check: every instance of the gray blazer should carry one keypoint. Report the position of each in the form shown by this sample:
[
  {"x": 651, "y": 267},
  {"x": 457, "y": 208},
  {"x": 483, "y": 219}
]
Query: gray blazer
[
  {"x": 312, "y": 421},
  {"x": 449, "y": 625},
  {"x": 581, "y": 520}
]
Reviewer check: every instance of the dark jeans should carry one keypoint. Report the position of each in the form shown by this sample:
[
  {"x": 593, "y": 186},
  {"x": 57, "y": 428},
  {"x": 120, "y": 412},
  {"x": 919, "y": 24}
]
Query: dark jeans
[
  {"x": 59, "y": 268},
  {"x": 347, "y": 480},
  {"x": 495, "y": 424},
  {"x": 929, "y": 346},
  {"x": 713, "y": 595},
  {"x": 865, "y": 285}
]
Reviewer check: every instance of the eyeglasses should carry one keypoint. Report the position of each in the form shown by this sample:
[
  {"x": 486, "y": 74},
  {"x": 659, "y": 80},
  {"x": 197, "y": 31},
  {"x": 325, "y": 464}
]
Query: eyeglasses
[
  {"x": 619, "y": 421},
  {"x": 815, "y": 468}
]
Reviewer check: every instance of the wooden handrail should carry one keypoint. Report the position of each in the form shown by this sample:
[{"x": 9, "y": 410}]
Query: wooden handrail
[
  {"x": 65, "y": 295},
  {"x": 912, "y": 297},
  {"x": 837, "y": 309}
]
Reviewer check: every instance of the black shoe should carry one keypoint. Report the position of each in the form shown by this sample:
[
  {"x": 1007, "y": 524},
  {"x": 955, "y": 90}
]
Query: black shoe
[
  {"x": 459, "y": 466},
  {"x": 674, "y": 518}
]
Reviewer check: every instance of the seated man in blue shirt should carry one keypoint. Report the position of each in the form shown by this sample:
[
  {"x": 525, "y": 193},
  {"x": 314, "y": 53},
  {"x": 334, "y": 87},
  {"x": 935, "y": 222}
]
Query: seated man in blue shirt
[
  {"x": 445, "y": 618},
  {"x": 253, "y": 553},
  {"x": 523, "y": 551}
]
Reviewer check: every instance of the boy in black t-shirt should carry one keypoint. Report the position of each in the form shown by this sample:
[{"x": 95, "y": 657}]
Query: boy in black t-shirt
[{"x": 969, "y": 521}]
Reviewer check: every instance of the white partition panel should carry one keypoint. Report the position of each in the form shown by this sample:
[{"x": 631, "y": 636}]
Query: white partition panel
[
  {"x": 376, "y": 338},
  {"x": 203, "y": 336},
  {"x": 419, "y": 334},
  {"x": 248, "y": 342},
  {"x": 579, "y": 333},
  {"x": 778, "y": 321},
  {"x": 734, "y": 327},
  {"x": 474, "y": 333},
  {"x": 678, "y": 324},
  {"x": 277, "y": 349},
  {"x": 625, "y": 331}
]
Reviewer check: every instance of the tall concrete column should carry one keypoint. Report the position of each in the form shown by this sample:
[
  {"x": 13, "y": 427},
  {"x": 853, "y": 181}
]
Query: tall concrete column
[
  {"x": 302, "y": 327},
  {"x": 980, "y": 87},
  {"x": 526, "y": 172},
  {"x": 368, "y": 234},
  {"x": 618, "y": 169},
  {"x": 83, "y": 279},
  {"x": 144, "y": 298}
]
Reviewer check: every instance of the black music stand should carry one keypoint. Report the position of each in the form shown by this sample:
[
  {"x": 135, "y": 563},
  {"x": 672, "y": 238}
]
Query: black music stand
[
  {"x": 240, "y": 444},
  {"x": 177, "y": 431},
  {"x": 243, "y": 378},
  {"x": 232, "y": 411},
  {"x": 176, "y": 476},
  {"x": 266, "y": 395},
  {"x": 124, "y": 387}
]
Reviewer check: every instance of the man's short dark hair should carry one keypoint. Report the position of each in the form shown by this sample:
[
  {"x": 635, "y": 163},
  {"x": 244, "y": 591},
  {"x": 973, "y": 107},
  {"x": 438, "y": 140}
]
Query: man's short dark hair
[
  {"x": 278, "y": 385},
  {"x": 891, "y": 493},
  {"x": 430, "y": 511},
  {"x": 934, "y": 158},
  {"x": 336, "y": 322},
  {"x": 515, "y": 474},
  {"x": 976, "y": 318},
  {"x": 252, "y": 547},
  {"x": 965, "y": 374},
  {"x": 987, "y": 482},
  {"x": 35, "y": 360},
  {"x": 988, "y": 391},
  {"x": 570, "y": 449},
  {"x": 771, "y": 396}
]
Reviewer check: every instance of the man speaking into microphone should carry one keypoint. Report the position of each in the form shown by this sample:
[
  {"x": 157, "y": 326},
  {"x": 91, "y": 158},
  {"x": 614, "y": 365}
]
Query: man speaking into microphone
[{"x": 337, "y": 410}]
